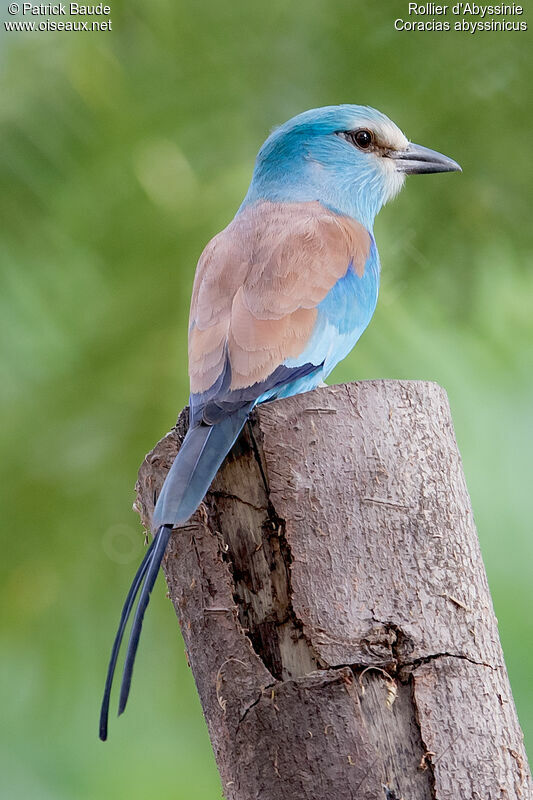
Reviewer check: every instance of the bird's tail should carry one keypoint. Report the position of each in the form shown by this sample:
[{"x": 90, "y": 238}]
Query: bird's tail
[{"x": 201, "y": 454}]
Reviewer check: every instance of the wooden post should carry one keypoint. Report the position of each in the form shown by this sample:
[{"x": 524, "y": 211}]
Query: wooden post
[{"x": 335, "y": 607}]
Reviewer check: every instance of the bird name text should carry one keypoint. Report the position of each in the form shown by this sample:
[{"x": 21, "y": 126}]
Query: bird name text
[
  {"x": 462, "y": 9},
  {"x": 458, "y": 17}
]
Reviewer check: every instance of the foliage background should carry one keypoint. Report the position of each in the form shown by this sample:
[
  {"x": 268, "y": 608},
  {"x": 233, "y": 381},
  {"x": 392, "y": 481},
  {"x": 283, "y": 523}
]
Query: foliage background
[{"x": 121, "y": 154}]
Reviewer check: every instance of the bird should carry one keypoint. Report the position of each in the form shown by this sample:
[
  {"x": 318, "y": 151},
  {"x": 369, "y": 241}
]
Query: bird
[{"x": 280, "y": 296}]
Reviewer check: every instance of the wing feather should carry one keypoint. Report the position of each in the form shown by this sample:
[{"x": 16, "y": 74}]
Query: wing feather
[{"x": 257, "y": 287}]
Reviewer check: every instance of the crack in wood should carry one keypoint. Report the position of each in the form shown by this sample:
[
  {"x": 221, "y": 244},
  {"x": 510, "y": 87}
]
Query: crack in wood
[{"x": 260, "y": 560}]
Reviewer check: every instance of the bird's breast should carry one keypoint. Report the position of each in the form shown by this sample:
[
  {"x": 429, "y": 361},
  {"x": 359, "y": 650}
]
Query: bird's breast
[{"x": 343, "y": 314}]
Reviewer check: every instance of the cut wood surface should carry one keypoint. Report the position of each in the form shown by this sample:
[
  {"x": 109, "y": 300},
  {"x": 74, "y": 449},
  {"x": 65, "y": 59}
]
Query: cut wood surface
[{"x": 335, "y": 607}]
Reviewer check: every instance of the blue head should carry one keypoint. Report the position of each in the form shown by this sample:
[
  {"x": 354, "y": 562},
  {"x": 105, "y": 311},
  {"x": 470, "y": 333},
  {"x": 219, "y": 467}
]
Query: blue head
[{"x": 352, "y": 159}]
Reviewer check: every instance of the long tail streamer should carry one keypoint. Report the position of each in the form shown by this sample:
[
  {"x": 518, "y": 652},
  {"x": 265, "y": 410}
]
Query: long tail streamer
[{"x": 126, "y": 611}]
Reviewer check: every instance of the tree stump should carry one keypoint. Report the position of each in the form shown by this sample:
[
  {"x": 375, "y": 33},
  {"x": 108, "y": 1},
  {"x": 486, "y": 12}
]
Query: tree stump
[{"x": 335, "y": 607}]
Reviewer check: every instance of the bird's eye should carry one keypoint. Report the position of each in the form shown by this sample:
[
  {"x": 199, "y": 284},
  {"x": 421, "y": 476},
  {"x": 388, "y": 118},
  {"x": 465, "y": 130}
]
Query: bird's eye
[{"x": 362, "y": 138}]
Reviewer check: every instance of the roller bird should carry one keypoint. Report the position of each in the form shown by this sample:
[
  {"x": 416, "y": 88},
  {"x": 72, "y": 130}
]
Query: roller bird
[{"x": 280, "y": 297}]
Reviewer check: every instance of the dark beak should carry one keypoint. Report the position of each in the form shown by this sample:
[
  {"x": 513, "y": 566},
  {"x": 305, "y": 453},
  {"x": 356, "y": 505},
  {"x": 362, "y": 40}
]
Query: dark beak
[{"x": 417, "y": 159}]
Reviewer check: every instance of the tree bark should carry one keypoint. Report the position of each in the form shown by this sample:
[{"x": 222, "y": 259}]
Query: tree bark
[{"x": 335, "y": 607}]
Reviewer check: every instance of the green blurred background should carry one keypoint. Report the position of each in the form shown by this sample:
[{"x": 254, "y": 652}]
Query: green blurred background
[{"x": 121, "y": 154}]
